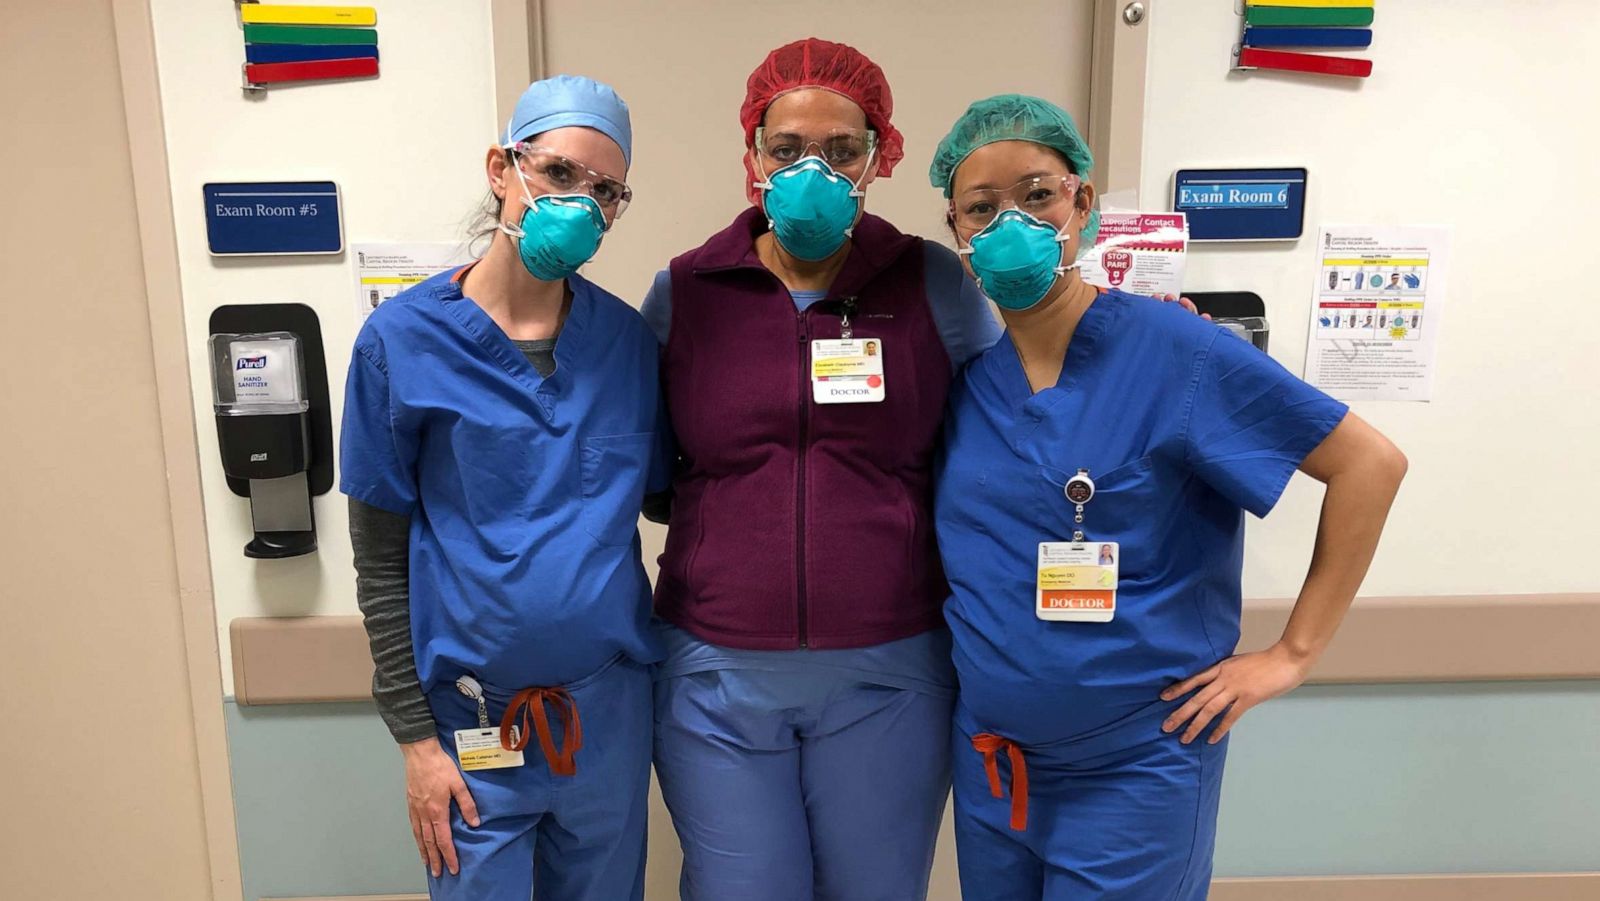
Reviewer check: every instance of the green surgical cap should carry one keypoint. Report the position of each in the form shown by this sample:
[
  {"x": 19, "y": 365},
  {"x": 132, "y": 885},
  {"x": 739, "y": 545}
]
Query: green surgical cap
[{"x": 1009, "y": 117}]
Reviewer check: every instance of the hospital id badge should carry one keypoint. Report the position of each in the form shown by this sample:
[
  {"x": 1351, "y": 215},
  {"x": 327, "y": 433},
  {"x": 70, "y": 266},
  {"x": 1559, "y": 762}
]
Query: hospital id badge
[
  {"x": 847, "y": 371},
  {"x": 480, "y": 749},
  {"x": 1077, "y": 581}
]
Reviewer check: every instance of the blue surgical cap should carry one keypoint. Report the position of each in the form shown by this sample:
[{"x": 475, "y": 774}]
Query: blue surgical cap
[{"x": 568, "y": 100}]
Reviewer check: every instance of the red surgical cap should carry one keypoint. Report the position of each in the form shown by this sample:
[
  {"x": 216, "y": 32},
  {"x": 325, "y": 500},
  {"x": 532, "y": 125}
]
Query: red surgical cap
[{"x": 815, "y": 63}]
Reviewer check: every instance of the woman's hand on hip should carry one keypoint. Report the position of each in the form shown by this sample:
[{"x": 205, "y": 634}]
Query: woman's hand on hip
[
  {"x": 432, "y": 781},
  {"x": 1232, "y": 687}
]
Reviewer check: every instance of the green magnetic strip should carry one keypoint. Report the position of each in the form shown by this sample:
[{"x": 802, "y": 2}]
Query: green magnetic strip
[
  {"x": 1300, "y": 15},
  {"x": 308, "y": 34}
]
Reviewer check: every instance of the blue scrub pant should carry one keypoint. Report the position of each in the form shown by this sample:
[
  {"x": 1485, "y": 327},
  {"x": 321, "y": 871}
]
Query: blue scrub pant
[
  {"x": 794, "y": 786},
  {"x": 1129, "y": 815},
  {"x": 550, "y": 837}
]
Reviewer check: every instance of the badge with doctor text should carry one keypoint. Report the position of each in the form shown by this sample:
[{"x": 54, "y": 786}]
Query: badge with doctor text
[
  {"x": 847, "y": 371},
  {"x": 1077, "y": 581}
]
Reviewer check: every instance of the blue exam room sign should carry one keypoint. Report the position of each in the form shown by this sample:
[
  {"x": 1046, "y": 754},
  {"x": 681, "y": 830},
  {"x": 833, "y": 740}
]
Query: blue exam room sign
[
  {"x": 1241, "y": 204},
  {"x": 279, "y": 217}
]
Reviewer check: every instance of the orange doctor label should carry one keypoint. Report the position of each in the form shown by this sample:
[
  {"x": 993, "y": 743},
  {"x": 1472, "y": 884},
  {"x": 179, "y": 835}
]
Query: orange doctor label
[{"x": 1077, "y": 581}]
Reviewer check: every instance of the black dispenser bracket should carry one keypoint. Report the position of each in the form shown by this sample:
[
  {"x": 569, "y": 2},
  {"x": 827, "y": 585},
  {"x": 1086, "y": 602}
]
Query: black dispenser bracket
[
  {"x": 278, "y": 458},
  {"x": 303, "y": 322},
  {"x": 1242, "y": 312}
]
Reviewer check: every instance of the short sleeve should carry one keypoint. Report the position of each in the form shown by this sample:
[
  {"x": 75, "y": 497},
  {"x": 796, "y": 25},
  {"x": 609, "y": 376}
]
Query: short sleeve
[
  {"x": 377, "y": 462},
  {"x": 961, "y": 312},
  {"x": 657, "y": 306},
  {"x": 1251, "y": 423}
]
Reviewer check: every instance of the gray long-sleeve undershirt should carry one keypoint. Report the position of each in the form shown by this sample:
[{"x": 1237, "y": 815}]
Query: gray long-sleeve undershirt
[{"x": 382, "y": 544}]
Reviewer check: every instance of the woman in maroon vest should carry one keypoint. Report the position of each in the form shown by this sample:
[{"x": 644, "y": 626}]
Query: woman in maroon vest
[{"x": 803, "y": 711}]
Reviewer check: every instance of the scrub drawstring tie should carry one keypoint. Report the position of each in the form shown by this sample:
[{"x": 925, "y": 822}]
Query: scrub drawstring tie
[
  {"x": 988, "y": 745},
  {"x": 529, "y": 705}
]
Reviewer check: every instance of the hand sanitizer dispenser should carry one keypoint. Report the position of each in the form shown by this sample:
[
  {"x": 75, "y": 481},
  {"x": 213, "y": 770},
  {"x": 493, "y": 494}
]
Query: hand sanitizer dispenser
[{"x": 260, "y": 400}]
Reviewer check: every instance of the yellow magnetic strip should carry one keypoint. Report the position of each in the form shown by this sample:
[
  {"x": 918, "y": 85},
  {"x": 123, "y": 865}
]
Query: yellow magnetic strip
[
  {"x": 263, "y": 14},
  {"x": 1315, "y": 4}
]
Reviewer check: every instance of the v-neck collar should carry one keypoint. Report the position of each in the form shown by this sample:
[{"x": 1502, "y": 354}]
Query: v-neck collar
[
  {"x": 503, "y": 351},
  {"x": 1087, "y": 339}
]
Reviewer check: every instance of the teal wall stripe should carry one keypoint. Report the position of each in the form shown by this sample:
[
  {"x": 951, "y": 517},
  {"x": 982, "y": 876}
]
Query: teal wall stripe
[{"x": 1333, "y": 780}]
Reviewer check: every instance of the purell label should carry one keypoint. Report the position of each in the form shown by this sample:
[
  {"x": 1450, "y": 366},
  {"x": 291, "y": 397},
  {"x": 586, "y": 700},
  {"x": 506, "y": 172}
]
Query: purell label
[{"x": 263, "y": 372}]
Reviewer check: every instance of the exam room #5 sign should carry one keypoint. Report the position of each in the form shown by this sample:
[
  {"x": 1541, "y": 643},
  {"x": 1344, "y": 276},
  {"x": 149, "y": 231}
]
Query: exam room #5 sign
[{"x": 273, "y": 218}]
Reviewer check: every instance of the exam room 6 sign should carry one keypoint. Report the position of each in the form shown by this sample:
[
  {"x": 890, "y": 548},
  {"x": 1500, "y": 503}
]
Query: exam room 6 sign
[
  {"x": 1241, "y": 204},
  {"x": 273, "y": 218}
]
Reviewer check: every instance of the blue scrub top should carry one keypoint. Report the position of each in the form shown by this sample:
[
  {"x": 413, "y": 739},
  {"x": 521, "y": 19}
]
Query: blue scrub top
[
  {"x": 1182, "y": 427},
  {"x": 523, "y": 492}
]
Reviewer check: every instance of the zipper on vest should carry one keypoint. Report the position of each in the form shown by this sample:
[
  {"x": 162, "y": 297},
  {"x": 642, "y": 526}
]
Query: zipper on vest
[{"x": 803, "y": 329}]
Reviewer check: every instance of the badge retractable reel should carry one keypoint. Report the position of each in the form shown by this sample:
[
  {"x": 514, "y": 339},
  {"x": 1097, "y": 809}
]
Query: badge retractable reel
[
  {"x": 1079, "y": 490},
  {"x": 483, "y": 748}
]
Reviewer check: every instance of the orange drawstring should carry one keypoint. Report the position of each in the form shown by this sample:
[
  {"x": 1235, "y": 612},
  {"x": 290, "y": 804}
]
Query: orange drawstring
[
  {"x": 529, "y": 704},
  {"x": 988, "y": 744}
]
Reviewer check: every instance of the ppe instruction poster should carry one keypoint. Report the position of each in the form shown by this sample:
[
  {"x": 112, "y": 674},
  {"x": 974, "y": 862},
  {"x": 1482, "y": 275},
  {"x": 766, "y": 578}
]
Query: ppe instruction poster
[
  {"x": 1141, "y": 253},
  {"x": 384, "y": 270},
  {"x": 1376, "y": 311}
]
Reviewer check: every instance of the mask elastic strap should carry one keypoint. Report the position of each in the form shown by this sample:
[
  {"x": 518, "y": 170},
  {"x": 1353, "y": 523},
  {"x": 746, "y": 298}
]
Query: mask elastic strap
[
  {"x": 1062, "y": 237},
  {"x": 855, "y": 188},
  {"x": 765, "y": 184},
  {"x": 516, "y": 231}
]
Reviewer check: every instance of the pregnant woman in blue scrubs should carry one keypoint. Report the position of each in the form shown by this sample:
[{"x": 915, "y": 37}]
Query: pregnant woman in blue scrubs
[
  {"x": 500, "y": 432},
  {"x": 1090, "y": 512}
]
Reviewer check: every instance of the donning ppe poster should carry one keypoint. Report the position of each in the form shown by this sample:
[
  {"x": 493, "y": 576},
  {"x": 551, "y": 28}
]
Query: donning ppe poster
[
  {"x": 1376, "y": 311},
  {"x": 384, "y": 270}
]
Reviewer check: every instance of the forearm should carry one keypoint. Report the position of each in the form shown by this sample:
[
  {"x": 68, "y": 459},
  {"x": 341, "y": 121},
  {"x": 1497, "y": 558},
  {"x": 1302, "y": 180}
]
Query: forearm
[
  {"x": 382, "y": 559},
  {"x": 1354, "y": 510}
]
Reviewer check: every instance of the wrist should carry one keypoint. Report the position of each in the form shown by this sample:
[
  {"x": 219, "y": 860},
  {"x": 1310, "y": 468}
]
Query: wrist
[
  {"x": 1301, "y": 654},
  {"x": 415, "y": 749}
]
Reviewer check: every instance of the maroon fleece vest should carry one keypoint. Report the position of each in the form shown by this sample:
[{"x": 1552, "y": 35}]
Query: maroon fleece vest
[{"x": 796, "y": 524}]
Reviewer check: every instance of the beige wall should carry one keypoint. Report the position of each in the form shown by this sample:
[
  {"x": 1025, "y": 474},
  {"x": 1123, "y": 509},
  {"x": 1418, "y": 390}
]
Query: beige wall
[{"x": 102, "y": 788}]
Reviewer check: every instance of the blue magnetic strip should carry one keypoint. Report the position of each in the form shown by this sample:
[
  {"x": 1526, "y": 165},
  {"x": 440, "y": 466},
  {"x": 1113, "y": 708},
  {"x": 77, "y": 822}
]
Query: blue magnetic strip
[
  {"x": 1260, "y": 36},
  {"x": 303, "y": 53}
]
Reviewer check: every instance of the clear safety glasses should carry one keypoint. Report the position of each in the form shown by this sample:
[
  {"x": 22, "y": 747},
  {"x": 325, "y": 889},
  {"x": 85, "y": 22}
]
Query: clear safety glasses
[
  {"x": 557, "y": 174},
  {"x": 841, "y": 148},
  {"x": 1038, "y": 196}
]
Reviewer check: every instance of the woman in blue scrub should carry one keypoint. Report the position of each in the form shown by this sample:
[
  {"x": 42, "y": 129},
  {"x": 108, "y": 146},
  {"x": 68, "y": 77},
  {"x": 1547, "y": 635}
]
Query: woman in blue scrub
[
  {"x": 500, "y": 432},
  {"x": 1098, "y": 695}
]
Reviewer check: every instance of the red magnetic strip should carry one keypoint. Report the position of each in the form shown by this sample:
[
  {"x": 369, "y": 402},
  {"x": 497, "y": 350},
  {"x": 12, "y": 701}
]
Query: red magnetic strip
[
  {"x": 1316, "y": 63},
  {"x": 270, "y": 73}
]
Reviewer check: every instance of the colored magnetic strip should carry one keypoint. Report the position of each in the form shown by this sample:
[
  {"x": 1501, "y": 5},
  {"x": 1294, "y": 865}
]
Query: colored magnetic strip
[
  {"x": 304, "y": 53},
  {"x": 1257, "y": 58},
  {"x": 277, "y": 73},
  {"x": 1308, "y": 17},
  {"x": 268, "y": 14},
  {"x": 307, "y": 34},
  {"x": 1314, "y": 4},
  {"x": 1258, "y": 36}
]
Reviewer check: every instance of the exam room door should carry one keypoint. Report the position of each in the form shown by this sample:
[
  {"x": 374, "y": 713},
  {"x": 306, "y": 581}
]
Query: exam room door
[
  {"x": 682, "y": 66},
  {"x": 102, "y": 785}
]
